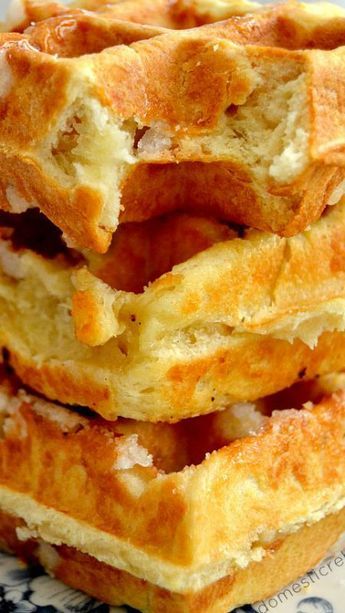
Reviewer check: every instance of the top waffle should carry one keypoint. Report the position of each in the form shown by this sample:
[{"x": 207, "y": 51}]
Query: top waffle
[
  {"x": 174, "y": 14},
  {"x": 189, "y": 120}
]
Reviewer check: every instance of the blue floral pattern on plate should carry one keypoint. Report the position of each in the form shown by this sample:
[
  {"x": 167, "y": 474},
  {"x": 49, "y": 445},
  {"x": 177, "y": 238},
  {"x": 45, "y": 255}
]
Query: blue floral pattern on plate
[{"x": 28, "y": 590}]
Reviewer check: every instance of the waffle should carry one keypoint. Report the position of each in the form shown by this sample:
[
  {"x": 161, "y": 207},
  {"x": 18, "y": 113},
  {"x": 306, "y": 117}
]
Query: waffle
[
  {"x": 291, "y": 25},
  {"x": 134, "y": 497},
  {"x": 175, "y": 15},
  {"x": 289, "y": 558},
  {"x": 124, "y": 333},
  {"x": 265, "y": 150},
  {"x": 172, "y": 267}
]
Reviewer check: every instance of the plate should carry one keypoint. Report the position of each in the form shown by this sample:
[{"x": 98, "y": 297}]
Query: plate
[{"x": 29, "y": 590}]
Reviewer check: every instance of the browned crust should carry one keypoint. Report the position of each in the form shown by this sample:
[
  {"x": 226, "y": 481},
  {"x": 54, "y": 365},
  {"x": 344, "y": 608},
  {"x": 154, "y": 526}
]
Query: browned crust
[
  {"x": 245, "y": 372},
  {"x": 124, "y": 76},
  {"x": 76, "y": 211},
  {"x": 154, "y": 189},
  {"x": 247, "y": 291},
  {"x": 291, "y": 470},
  {"x": 176, "y": 14},
  {"x": 261, "y": 360},
  {"x": 275, "y": 25},
  {"x": 79, "y": 32},
  {"x": 286, "y": 561}
]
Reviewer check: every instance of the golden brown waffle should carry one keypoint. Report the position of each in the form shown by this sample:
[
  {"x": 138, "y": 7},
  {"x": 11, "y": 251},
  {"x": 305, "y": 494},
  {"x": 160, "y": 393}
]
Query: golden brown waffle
[
  {"x": 174, "y": 14},
  {"x": 215, "y": 328},
  {"x": 137, "y": 497},
  {"x": 184, "y": 120},
  {"x": 159, "y": 136},
  {"x": 286, "y": 560},
  {"x": 292, "y": 25}
]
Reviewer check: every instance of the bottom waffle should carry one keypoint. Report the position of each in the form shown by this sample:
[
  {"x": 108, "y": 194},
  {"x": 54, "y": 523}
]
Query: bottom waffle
[
  {"x": 185, "y": 514},
  {"x": 287, "y": 559}
]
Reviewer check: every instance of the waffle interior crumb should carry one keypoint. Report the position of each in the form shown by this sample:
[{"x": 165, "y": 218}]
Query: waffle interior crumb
[{"x": 91, "y": 146}]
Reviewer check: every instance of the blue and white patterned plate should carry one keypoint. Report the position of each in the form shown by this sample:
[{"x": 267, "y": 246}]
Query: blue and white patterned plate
[
  {"x": 26, "y": 589},
  {"x": 29, "y": 590}
]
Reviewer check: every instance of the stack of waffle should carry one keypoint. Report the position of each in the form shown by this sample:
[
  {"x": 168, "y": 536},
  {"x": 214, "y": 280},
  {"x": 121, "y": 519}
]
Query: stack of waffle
[{"x": 172, "y": 296}]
